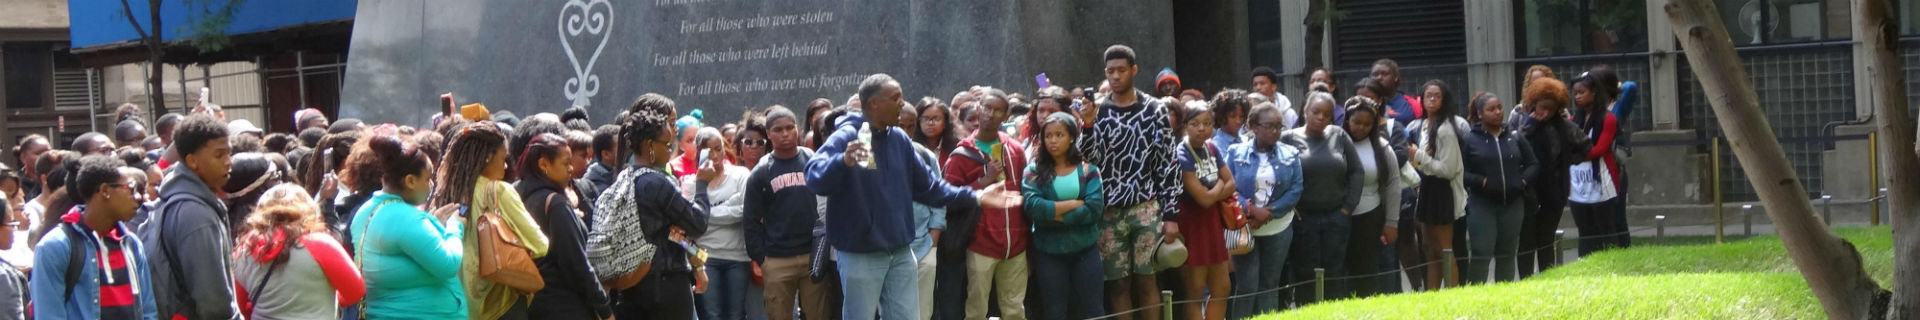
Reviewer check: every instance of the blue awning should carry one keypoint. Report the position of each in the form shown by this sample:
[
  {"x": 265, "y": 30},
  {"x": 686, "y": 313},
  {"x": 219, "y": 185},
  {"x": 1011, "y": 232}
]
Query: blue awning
[{"x": 97, "y": 23}]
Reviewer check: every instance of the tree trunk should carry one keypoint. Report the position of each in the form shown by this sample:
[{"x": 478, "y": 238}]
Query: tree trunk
[
  {"x": 156, "y": 85},
  {"x": 1879, "y": 35},
  {"x": 1830, "y": 264}
]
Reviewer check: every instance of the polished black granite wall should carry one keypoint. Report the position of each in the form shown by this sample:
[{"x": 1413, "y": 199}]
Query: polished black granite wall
[{"x": 725, "y": 55}]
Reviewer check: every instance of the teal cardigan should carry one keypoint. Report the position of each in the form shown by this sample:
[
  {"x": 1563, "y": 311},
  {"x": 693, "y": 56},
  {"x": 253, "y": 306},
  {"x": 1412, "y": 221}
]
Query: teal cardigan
[
  {"x": 1080, "y": 227},
  {"x": 410, "y": 260}
]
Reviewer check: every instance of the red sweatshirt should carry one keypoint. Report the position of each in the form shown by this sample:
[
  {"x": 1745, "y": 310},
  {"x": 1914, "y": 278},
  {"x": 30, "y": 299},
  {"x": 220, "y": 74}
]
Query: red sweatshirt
[
  {"x": 1603, "y": 150},
  {"x": 1001, "y": 233}
]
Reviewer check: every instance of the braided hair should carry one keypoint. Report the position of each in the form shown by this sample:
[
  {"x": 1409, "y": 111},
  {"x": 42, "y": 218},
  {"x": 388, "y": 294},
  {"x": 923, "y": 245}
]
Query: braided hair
[
  {"x": 472, "y": 148},
  {"x": 647, "y": 119}
]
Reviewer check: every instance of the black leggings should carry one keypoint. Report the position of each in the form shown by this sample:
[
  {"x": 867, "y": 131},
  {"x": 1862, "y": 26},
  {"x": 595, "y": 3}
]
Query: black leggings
[
  {"x": 1363, "y": 248},
  {"x": 1536, "y": 234},
  {"x": 1599, "y": 222}
]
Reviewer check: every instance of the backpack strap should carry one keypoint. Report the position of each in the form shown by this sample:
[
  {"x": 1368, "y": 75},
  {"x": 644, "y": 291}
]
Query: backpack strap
[
  {"x": 179, "y": 283},
  {"x": 970, "y": 154},
  {"x": 75, "y": 258}
]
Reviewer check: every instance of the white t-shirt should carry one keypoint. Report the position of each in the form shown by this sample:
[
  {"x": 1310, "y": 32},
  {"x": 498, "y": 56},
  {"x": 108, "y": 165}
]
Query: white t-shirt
[
  {"x": 1288, "y": 117},
  {"x": 1370, "y": 184}
]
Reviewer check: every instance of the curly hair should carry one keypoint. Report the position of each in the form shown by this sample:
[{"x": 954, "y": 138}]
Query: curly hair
[
  {"x": 195, "y": 132},
  {"x": 1541, "y": 68},
  {"x": 1226, "y": 103},
  {"x": 466, "y": 157},
  {"x": 243, "y": 143},
  {"x": 279, "y": 142},
  {"x": 94, "y": 171},
  {"x": 284, "y": 214},
  {"x": 1546, "y": 90},
  {"x": 431, "y": 143},
  {"x": 647, "y": 119}
]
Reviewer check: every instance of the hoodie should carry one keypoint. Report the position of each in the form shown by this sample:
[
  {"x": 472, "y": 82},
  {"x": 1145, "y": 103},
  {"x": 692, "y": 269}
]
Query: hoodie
[
  {"x": 52, "y": 256},
  {"x": 572, "y": 291},
  {"x": 1000, "y": 233},
  {"x": 871, "y": 210},
  {"x": 188, "y": 246},
  {"x": 1499, "y": 168}
]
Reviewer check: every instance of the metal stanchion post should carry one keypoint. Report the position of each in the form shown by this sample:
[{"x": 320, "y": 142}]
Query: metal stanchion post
[
  {"x": 1660, "y": 228},
  {"x": 1882, "y": 203},
  {"x": 1873, "y": 175},
  {"x": 1447, "y": 268},
  {"x": 1558, "y": 237},
  {"x": 1719, "y": 203},
  {"x": 1746, "y": 212},
  {"x": 1319, "y": 285},
  {"x": 1166, "y": 304},
  {"x": 1826, "y": 210}
]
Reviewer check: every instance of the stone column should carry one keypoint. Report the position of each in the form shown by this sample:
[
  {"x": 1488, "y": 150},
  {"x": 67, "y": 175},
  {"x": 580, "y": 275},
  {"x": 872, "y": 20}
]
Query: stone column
[
  {"x": 1293, "y": 48},
  {"x": 1663, "y": 60},
  {"x": 1490, "y": 49}
]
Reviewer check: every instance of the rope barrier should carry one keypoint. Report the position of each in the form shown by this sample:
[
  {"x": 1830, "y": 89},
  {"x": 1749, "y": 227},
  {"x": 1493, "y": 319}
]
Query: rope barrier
[{"x": 1538, "y": 250}]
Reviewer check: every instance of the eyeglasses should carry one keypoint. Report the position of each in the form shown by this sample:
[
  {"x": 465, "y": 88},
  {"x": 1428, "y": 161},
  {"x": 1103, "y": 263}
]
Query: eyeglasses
[{"x": 931, "y": 119}]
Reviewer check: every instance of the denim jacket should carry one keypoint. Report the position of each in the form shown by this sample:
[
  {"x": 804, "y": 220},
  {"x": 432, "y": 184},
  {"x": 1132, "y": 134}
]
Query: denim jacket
[
  {"x": 49, "y": 280},
  {"x": 1285, "y": 160}
]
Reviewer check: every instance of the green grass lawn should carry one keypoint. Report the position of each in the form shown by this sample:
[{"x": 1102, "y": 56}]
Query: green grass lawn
[{"x": 1744, "y": 279}]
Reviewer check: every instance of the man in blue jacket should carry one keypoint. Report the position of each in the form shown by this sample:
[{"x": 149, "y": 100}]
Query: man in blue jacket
[
  {"x": 870, "y": 188},
  {"x": 109, "y": 277}
]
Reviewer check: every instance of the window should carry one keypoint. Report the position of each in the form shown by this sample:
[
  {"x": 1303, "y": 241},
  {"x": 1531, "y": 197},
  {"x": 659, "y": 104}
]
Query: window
[
  {"x": 1263, "y": 33},
  {"x": 1909, "y": 17},
  {"x": 1757, "y": 22},
  {"x": 1570, "y": 27},
  {"x": 27, "y": 69}
]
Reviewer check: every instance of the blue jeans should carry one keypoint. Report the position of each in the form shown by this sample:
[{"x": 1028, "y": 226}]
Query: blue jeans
[
  {"x": 882, "y": 282},
  {"x": 1320, "y": 241},
  {"x": 1069, "y": 285},
  {"x": 1260, "y": 270},
  {"x": 731, "y": 294}
]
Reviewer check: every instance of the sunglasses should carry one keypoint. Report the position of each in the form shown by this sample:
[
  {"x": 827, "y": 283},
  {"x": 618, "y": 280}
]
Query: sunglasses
[{"x": 754, "y": 143}]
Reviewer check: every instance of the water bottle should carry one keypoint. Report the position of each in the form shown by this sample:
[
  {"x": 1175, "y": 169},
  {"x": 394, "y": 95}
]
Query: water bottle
[{"x": 866, "y": 145}]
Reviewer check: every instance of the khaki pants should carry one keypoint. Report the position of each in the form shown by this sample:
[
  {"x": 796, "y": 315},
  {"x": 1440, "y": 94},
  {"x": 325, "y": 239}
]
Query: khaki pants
[
  {"x": 928, "y": 265},
  {"x": 1007, "y": 278},
  {"x": 787, "y": 278}
]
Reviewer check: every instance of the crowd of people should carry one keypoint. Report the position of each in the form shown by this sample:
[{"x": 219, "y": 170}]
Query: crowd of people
[{"x": 1070, "y": 203}]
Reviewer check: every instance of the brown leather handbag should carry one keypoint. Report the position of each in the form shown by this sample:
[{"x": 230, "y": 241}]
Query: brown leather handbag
[{"x": 504, "y": 259}]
